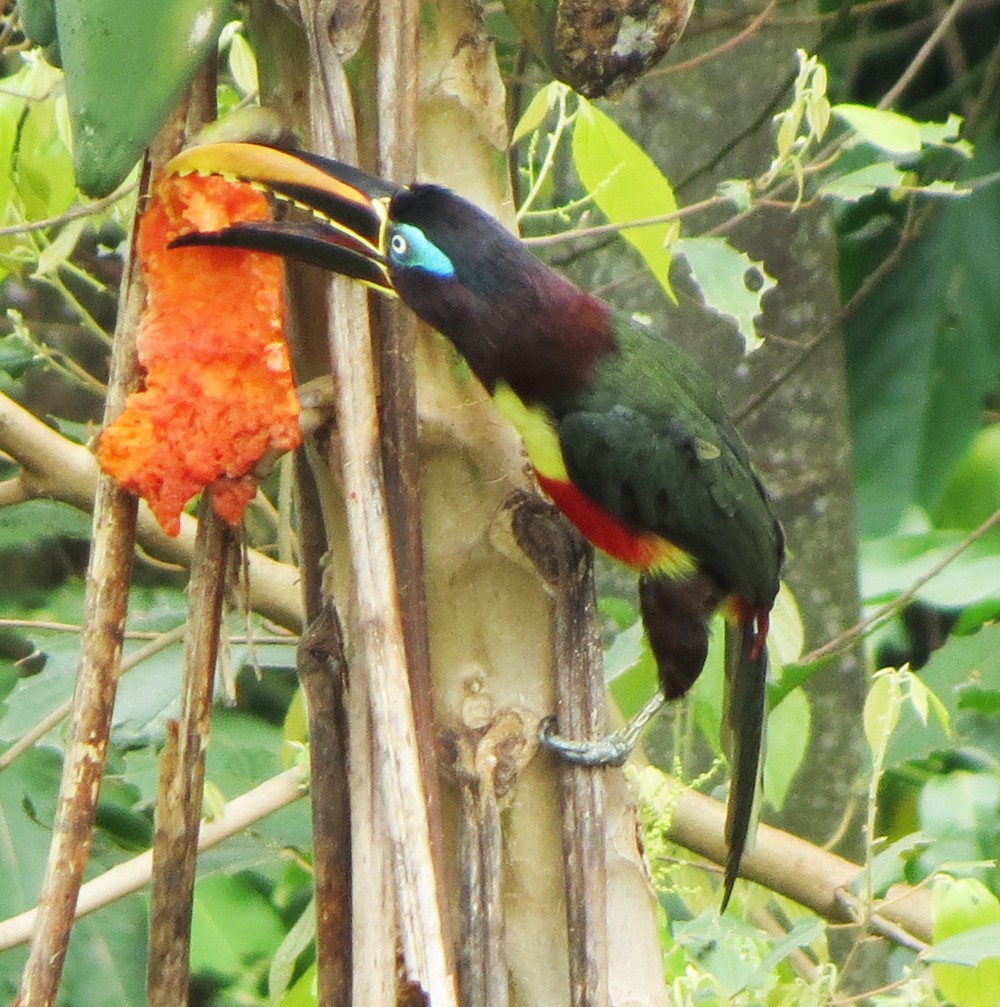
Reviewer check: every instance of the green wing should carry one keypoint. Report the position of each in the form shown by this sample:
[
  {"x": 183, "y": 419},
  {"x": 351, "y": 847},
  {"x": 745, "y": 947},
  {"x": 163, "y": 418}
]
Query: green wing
[{"x": 649, "y": 441}]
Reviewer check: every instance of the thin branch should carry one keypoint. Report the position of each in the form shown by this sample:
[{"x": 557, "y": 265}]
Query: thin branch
[
  {"x": 849, "y": 637},
  {"x": 89, "y": 209},
  {"x": 916, "y": 64},
  {"x": 731, "y": 43},
  {"x": 182, "y": 769},
  {"x": 112, "y": 551},
  {"x": 133, "y": 875},
  {"x": 601, "y": 229}
]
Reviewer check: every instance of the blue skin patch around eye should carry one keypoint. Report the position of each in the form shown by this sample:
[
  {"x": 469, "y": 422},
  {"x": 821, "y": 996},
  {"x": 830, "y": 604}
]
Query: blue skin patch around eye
[{"x": 419, "y": 252}]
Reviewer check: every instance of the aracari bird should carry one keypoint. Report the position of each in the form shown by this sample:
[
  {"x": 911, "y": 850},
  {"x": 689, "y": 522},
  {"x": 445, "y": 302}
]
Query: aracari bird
[{"x": 626, "y": 433}]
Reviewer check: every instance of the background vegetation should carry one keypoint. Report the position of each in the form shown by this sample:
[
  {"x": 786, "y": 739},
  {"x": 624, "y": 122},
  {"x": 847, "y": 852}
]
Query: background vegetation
[{"x": 917, "y": 796}]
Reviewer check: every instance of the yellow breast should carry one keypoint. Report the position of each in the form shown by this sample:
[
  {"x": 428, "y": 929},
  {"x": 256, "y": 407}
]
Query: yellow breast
[{"x": 539, "y": 435}]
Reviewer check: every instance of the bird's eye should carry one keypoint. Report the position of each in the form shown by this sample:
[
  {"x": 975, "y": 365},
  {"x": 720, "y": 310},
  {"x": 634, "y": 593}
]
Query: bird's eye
[{"x": 398, "y": 245}]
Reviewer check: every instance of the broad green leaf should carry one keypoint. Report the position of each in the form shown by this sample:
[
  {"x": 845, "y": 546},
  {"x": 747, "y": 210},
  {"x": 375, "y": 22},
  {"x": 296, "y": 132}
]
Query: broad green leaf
[
  {"x": 923, "y": 355},
  {"x": 946, "y": 134},
  {"x": 243, "y": 64},
  {"x": 881, "y": 712},
  {"x": 972, "y": 490},
  {"x": 625, "y": 652},
  {"x": 534, "y": 115},
  {"x": 895, "y": 133},
  {"x": 893, "y": 564},
  {"x": 966, "y": 935},
  {"x": 788, "y": 731},
  {"x": 731, "y": 283},
  {"x": 865, "y": 181},
  {"x": 36, "y": 520},
  {"x": 285, "y": 958},
  {"x": 233, "y": 926},
  {"x": 786, "y": 635},
  {"x": 626, "y": 185},
  {"x": 971, "y": 947},
  {"x": 303, "y": 993}
]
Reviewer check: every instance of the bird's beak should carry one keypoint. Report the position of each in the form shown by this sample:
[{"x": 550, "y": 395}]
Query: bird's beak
[{"x": 344, "y": 225}]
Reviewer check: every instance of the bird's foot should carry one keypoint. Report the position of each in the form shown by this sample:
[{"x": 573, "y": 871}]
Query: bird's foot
[{"x": 611, "y": 750}]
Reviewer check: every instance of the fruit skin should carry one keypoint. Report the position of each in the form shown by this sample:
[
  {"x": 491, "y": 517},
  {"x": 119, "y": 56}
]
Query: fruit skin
[{"x": 126, "y": 64}]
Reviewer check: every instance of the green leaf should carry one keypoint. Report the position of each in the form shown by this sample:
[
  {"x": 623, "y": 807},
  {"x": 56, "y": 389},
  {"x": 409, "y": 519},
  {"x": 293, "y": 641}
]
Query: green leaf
[
  {"x": 17, "y": 354},
  {"x": 966, "y": 949},
  {"x": 731, "y": 283},
  {"x": 969, "y": 948},
  {"x": 881, "y": 712},
  {"x": 285, "y": 958},
  {"x": 972, "y": 490},
  {"x": 863, "y": 182},
  {"x": 626, "y": 185},
  {"x": 538, "y": 108},
  {"x": 786, "y": 636},
  {"x": 38, "y": 520},
  {"x": 233, "y": 926},
  {"x": 303, "y": 993},
  {"x": 890, "y": 131},
  {"x": 923, "y": 355},
  {"x": 243, "y": 64},
  {"x": 788, "y": 731},
  {"x": 892, "y": 564},
  {"x": 946, "y": 134}
]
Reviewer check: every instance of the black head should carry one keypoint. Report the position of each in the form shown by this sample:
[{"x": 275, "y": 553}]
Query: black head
[{"x": 458, "y": 268}]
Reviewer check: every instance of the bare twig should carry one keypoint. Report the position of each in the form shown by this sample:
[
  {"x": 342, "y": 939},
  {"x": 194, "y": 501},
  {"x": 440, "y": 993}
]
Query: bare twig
[
  {"x": 322, "y": 670},
  {"x": 133, "y": 875},
  {"x": 112, "y": 549},
  {"x": 182, "y": 769},
  {"x": 731, "y": 43},
  {"x": 850, "y": 636},
  {"x": 916, "y": 64},
  {"x": 87, "y": 210}
]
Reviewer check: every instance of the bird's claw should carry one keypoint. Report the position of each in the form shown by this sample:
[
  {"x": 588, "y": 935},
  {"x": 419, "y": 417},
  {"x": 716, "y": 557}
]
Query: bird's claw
[{"x": 611, "y": 750}]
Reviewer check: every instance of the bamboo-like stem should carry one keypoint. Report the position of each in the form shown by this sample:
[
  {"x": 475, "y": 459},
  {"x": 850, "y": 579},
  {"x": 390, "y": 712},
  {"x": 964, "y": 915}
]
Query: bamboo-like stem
[
  {"x": 396, "y": 333},
  {"x": 106, "y": 605},
  {"x": 322, "y": 670},
  {"x": 377, "y": 646},
  {"x": 182, "y": 769},
  {"x": 133, "y": 875},
  {"x": 793, "y": 867}
]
